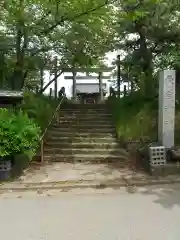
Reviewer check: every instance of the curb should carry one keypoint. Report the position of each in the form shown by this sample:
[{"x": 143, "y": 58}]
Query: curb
[
  {"x": 66, "y": 185},
  {"x": 48, "y": 183},
  {"x": 62, "y": 187}
]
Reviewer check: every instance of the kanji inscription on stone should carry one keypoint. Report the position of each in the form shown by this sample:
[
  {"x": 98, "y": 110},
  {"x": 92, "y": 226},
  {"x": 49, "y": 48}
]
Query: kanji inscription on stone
[{"x": 166, "y": 108}]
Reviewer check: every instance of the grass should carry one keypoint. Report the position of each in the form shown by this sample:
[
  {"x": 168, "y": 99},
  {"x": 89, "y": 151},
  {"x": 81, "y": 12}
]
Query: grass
[
  {"x": 39, "y": 107},
  {"x": 135, "y": 117}
]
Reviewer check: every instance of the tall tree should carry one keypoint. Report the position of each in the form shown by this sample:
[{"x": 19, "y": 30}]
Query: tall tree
[
  {"x": 148, "y": 31},
  {"x": 40, "y": 29}
]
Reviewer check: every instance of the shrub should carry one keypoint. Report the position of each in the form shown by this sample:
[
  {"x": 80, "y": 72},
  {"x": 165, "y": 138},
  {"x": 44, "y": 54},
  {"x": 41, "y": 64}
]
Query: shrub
[
  {"x": 135, "y": 117},
  {"x": 39, "y": 108},
  {"x": 18, "y": 134}
]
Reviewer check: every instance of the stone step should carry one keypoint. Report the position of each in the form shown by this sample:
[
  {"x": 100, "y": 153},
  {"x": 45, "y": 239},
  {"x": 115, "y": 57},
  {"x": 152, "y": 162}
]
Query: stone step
[
  {"x": 79, "y": 131},
  {"x": 86, "y": 158},
  {"x": 76, "y": 139},
  {"x": 85, "y": 118},
  {"x": 87, "y": 145},
  {"x": 85, "y": 115},
  {"x": 80, "y": 134},
  {"x": 87, "y": 151},
  {"x": 86, "y": 121},
  {"x": 80, "y": 126},
  {"x": 84, "y": 110},
  {"x": 83, "y": 106}
]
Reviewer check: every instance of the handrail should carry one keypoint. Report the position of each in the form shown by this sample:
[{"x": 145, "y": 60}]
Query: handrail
[{"x": 50, "y": 122}]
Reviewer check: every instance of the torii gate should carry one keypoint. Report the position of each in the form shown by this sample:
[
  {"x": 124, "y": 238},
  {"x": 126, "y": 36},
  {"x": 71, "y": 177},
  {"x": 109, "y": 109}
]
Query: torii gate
[{"x": 100, "y": 77}]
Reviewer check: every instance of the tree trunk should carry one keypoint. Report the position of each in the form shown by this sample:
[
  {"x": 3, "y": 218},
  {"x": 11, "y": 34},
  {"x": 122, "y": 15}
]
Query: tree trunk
[
  {"x": 2, "y": 70},
  {"x": 18, "y": 76},
  {"x": 147, "y": 65},
  {"x": 50, "y": 82},
  {"x": 42, "y": 77}
]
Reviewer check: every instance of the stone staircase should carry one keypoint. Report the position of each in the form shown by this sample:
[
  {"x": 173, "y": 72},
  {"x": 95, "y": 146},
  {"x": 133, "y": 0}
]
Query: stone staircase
[{"x": 84, "y": 133}]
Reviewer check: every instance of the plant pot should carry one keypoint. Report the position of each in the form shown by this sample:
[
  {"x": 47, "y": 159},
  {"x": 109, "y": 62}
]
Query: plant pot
[
  {"x": 5, "y": 169},
  {"x": 20, "y": 162}
]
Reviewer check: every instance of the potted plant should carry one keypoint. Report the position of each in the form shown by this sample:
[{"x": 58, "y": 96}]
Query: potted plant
[{"x": 19, "y": 135}]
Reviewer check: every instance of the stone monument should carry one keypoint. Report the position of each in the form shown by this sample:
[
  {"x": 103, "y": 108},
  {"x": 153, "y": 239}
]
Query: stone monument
[{"x": 166, "y": 108}]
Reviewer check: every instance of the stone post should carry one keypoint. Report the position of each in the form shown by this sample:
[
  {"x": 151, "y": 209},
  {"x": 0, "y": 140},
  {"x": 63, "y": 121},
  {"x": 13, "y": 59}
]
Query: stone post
[{"x": 166, "y": 108}]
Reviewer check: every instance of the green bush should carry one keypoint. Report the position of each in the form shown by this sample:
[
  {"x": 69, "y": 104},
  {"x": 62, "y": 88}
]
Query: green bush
[
  {"x": 135, "y": 117},
  {"x": 18, "y": 134},
  {"x": 39, "y": 108}
]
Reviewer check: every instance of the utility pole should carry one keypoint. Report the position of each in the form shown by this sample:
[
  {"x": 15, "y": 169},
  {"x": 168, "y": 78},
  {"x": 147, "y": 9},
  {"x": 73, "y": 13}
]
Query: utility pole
[
  {"x": 118, "y": 76},
  {"x": 100, "y": 86},
  {"x": 42, "y": 75},
  {"x": 55, "y": 82}
]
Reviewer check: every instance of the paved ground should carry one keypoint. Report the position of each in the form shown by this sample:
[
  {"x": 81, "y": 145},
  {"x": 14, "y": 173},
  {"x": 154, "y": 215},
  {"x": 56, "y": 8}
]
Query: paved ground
[
  {"x": 150, "y": 213},
  {"x": 55, "y": 174},
  {"x": 77, "y": 171}
]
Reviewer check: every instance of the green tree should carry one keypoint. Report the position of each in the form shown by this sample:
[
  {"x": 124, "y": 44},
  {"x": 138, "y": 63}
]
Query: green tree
[
  {"x": 37, "y": 30},
  {"x": 148, "y": 34}
]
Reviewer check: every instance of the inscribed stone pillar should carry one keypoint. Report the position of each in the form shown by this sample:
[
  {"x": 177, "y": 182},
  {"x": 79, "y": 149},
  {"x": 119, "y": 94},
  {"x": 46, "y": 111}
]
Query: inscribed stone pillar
[{"x": 166, "y": 108}]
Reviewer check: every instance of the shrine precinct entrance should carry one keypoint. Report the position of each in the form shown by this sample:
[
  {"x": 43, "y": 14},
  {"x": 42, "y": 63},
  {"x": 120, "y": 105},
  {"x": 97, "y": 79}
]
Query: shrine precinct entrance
[{"x": 91, "y": 97}]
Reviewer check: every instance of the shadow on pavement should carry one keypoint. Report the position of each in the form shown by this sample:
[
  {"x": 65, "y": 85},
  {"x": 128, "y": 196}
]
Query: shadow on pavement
[{"x": 166, "y": 195}]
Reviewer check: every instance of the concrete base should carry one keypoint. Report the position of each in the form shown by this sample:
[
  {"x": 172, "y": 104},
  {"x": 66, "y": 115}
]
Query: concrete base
[{"x": 168, "y": 169}]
